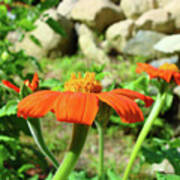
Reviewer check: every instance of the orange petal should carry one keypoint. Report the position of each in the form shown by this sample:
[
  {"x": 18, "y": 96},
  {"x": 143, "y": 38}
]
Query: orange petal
[
  {"x": 37, "y": 104},
  {"x": 177, "y": 78},
  {"x": 155, "y": 72},
  {"x": 134, "y": 95},
  {"x": 150, "y": 70},
  {"x": 35, "y": 82},
  {"x": 126, "y": 108},
  {"x": 165, "y": 74},
  {"x": 10, "y": 85},
  {"x": 143, "y": 67},
  {"x": 76, "y": 108}
]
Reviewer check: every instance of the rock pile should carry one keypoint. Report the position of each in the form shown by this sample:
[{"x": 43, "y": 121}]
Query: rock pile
[{"x": 131, "y": 27}]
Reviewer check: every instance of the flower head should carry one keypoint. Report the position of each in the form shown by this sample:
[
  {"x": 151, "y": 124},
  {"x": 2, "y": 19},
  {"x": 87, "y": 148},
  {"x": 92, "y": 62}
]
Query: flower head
[
  {"x": 79, "y": 103},
  {"x": 166, "y": 71},
  {"x": 32, "y": 85}
]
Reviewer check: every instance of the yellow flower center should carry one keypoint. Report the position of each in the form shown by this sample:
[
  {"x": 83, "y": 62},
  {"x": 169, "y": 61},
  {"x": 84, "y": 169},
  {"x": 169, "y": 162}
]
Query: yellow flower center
[
  {"x": 171, "y": 67},
  {"x": 85, "y": 84}
]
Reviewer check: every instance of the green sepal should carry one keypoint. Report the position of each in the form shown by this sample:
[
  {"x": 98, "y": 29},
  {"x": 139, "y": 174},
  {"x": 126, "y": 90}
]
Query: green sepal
[
  {"x": 103, "y": 114},
  {"x": 35, "y": 129},
  {"x": 24, "y": 91}
]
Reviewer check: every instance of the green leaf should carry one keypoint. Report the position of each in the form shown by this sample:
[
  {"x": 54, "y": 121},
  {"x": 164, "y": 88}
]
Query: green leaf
[
  {"x": 112, "y": 175},
  {"x": 161, "y": 176},
  {"x": 35, "y": 177},
  {"x": 152, "y": 155},
  {"x": 9, "y": 109},
  {"x": 78, "y": 175},
  {"x": 24, "y": 91},
  {"x": 49, "y": 4},
  {"x": 50, "y": 176},
  {"x": 173, "y": 155},
  {"x": 141, "y": 83},
  {"x": 175, "y": 143},
  {"x": 4, "y": 155},
  {"x": 35, "y": 40},
  {"x": 54, "y": 84},
  {"x": 13, "y": 143},
  {"x": 26, "y": 24},
  {"x": 3, "y": 10},
  {"x": 50, "y": 83},
  {"x": 101, "y": 75},
  {"x": 168, "y": 102},
  {"x": 56, "y": 26},
  {"x": 25, "y": 167}
]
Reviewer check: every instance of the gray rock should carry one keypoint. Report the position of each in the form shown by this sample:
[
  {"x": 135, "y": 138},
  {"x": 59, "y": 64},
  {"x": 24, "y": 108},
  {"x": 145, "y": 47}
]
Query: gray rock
[
  {"x": 106, "y": 46},
  {"x": 158, "y": 20},
  {"x": 97, "y": 14},
  {"x": 118, "y": 34},
  {"x": 165, "y": 167},
  {"x": 135, "y": 8},
  {"x": 116, "y": 1},
  {"x": 174, "y": 8},
  {"x": 176, "y": 91},
  {"x": 169, "y": 44},
  {"x": 162, "y": 3},
  {"x": 13, "y": 36},
  {"x": 51, "y": 41},
  {"x": 89, "y": 47},
  {"x": 170, "y": 60},
  {"x": 64, "y": 8},
  {"x": 142, "y": 44}
]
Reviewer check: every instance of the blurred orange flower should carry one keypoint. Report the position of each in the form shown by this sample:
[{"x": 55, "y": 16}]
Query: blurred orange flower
[
  {"x": 33, "y": 85},
  {"x": 166, "y": 71},
  {"x": 80, "y": 102}
]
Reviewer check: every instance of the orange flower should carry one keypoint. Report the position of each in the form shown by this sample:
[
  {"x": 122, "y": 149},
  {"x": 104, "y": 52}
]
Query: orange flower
[
  {"x": 80, "y": 102},
  {"x": 166, "y": 71},
  {"x": 33, "y": 85}
]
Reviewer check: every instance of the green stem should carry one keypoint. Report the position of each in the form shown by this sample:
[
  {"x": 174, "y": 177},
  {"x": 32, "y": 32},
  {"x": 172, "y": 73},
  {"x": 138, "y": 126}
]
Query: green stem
[
  {"x": 101, "y": 150},
  {"x": 145, "y": 130},
  {"x": 78, "y": 139},
  {"x": 35, "y": 128}
]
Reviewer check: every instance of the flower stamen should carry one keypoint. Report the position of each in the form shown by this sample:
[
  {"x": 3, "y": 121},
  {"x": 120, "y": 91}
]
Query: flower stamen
[
  {"x": 171, "y": 67},
  {"x": 86, "y": 84}
]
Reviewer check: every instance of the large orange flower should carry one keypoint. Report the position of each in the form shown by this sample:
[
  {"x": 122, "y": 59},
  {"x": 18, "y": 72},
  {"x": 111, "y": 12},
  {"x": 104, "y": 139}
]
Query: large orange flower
[
  {"x": 166, "y": 71},
  {"x": 32, "y": 85},
  {"x": 80, "y": 102}
]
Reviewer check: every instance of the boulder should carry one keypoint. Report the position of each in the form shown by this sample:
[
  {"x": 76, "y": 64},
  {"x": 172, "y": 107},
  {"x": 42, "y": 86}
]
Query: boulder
[
  {"x": 169, "y": 44},
  {"x": 157, "y": 20},
  {"x": 88, "y": 45},
  {"x": 106, "y": 46},
  {"x": 64, "y": 8},
  {"x": 165, "y": 166},
  {"x": 135, "y": 8},
  {"x": 162, "y": 3},
  {"x": 118, "y": 34},
  {"x": 51, "y": 42},
  {"x": 174, "y": 8},
  {"x": 170, "y": 60},
  {"x": 142, "y": 44},
  {"x": 116, "y": 1},
  {"x": 97, "y": 14}
]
